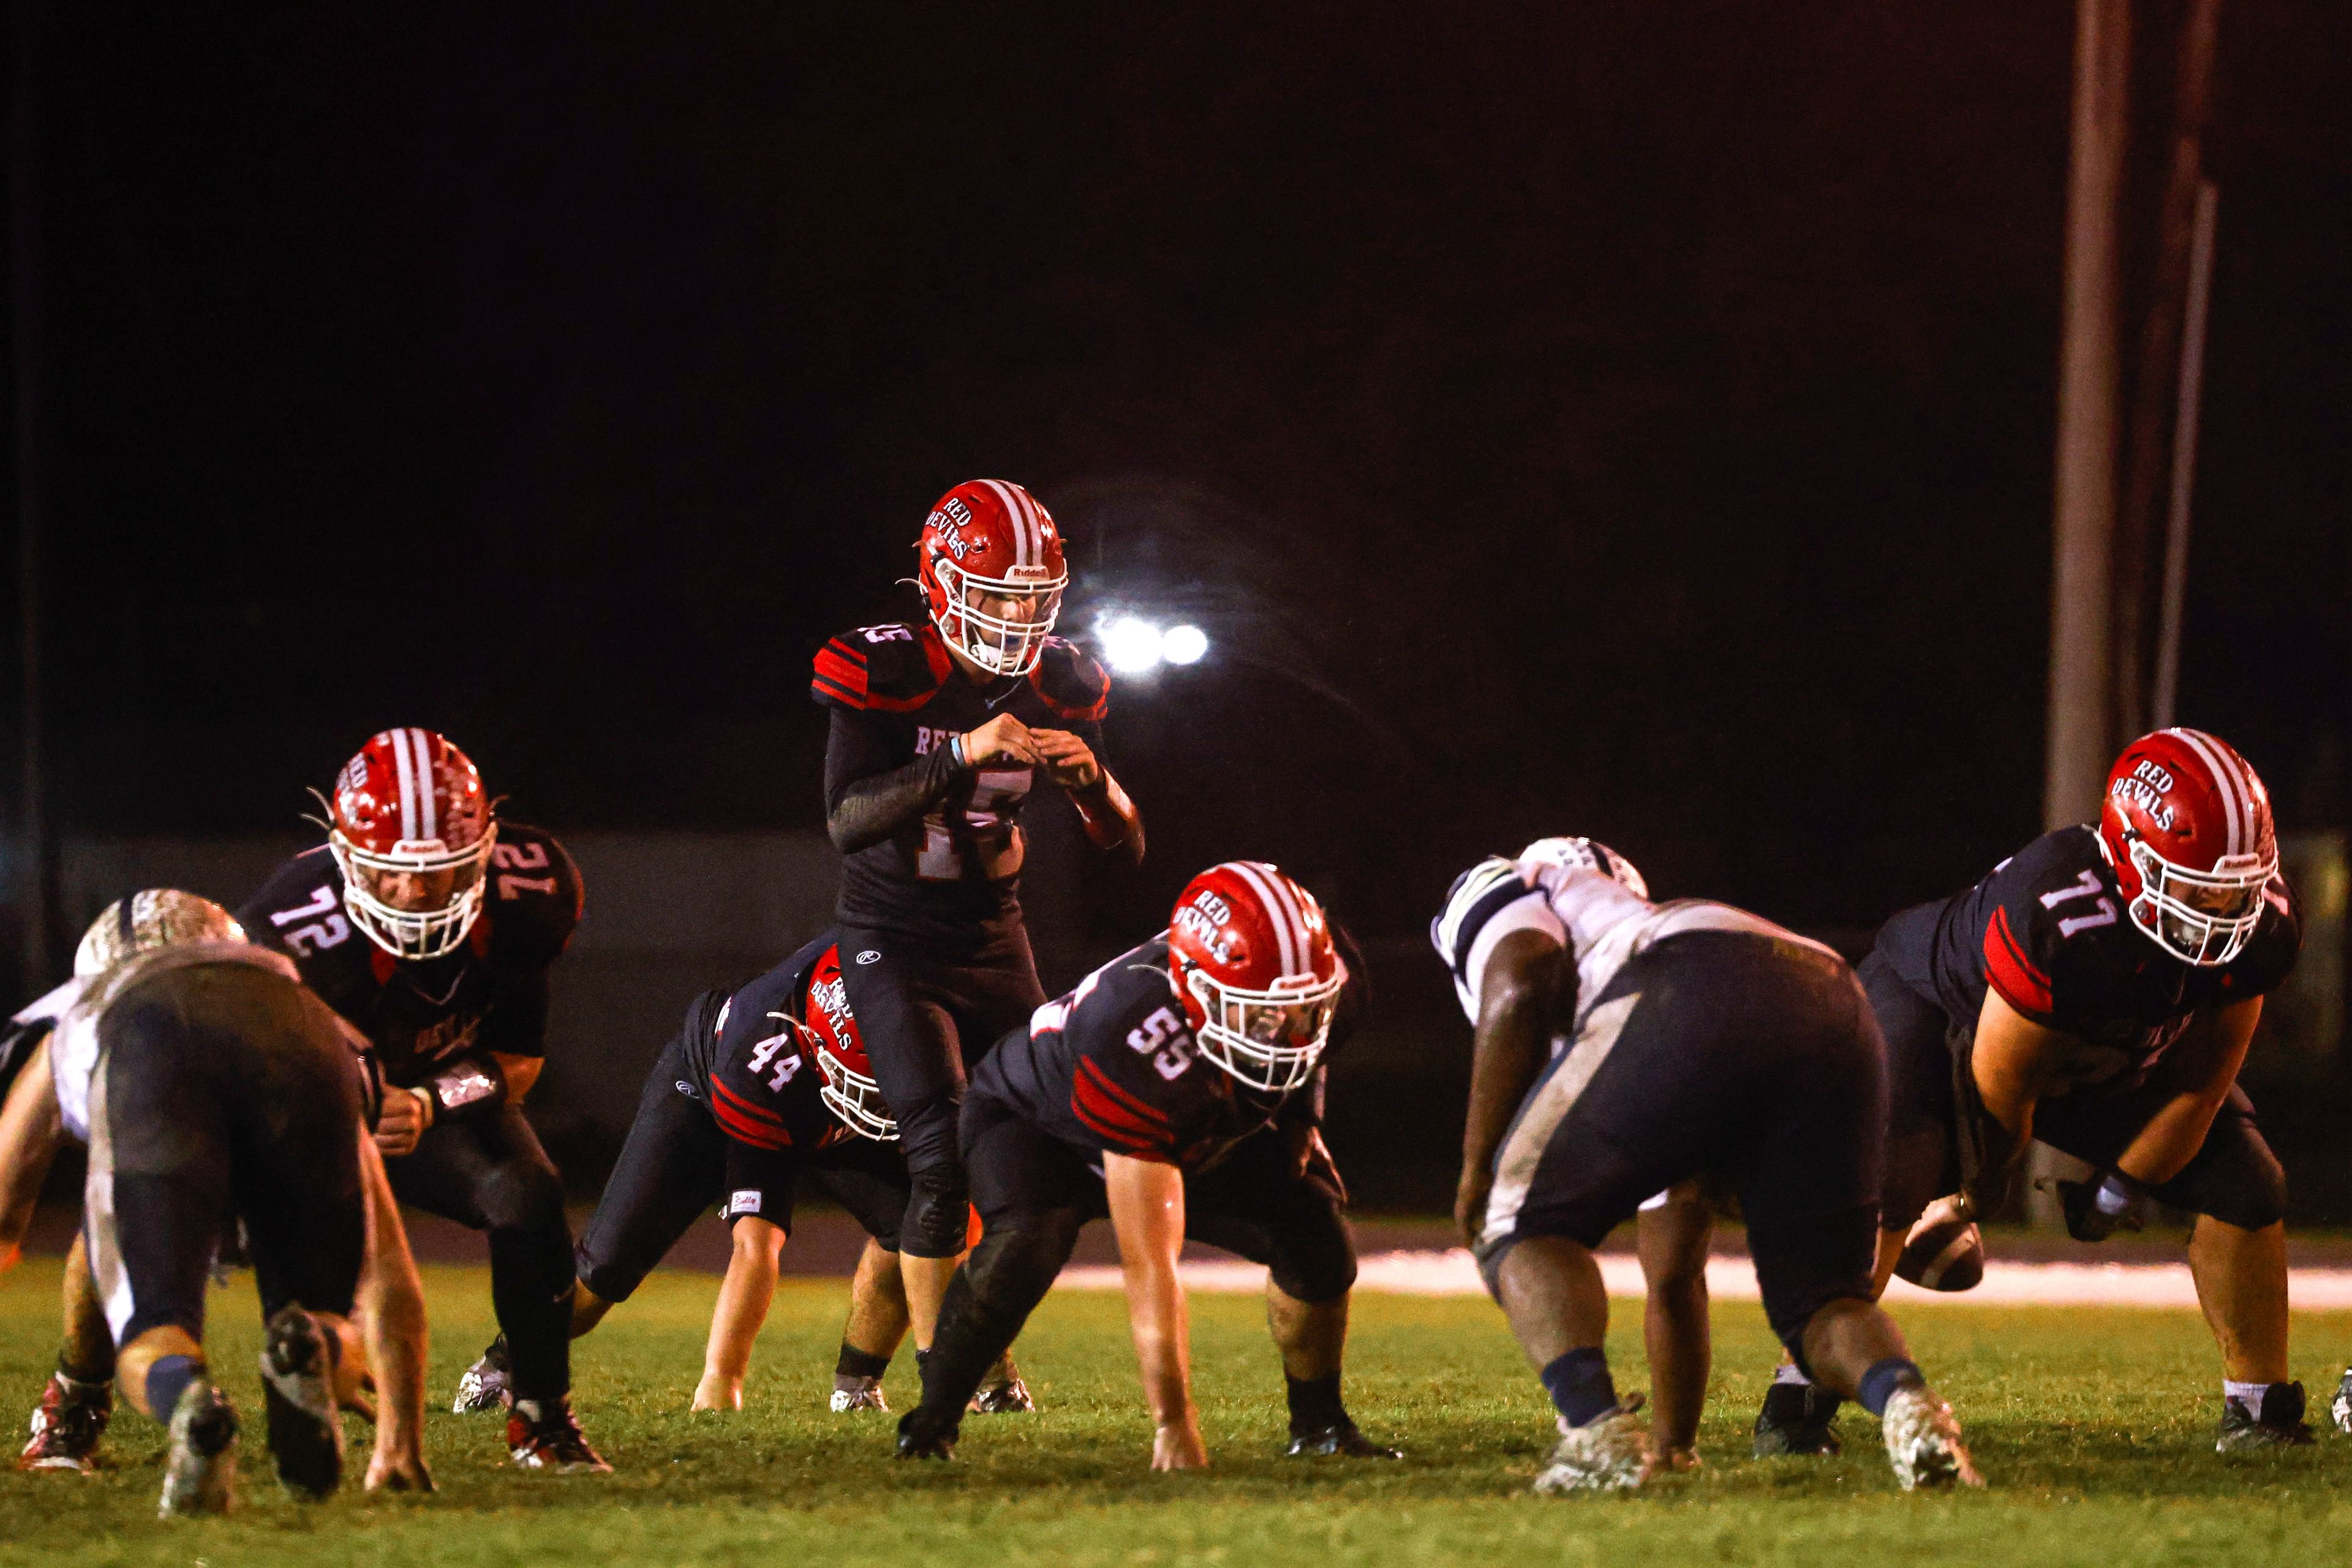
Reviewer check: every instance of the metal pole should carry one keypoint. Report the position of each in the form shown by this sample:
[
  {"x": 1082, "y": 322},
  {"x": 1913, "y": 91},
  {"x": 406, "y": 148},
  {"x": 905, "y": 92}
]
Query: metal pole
[
  {"x": 38, "y": 864},
  {"x": 2184, "y": 457},
  {"x": 2081, "y": 726}
]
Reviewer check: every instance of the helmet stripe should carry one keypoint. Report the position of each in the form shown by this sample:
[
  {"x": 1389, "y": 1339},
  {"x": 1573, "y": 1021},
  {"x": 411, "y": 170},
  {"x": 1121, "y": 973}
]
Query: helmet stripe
[
  {"x": 1282, "y": 913},
  {"x": 2235, "y": 805},
  {"x": 1025, "y": 548},
  {"x": 407, "y": 786},
  {"x": 428, "y": 813}
]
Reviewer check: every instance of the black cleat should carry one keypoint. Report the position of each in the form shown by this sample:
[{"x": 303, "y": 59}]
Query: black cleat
[
  {"x": 306, "y": 1432},
  {"x": 923, "y": 1435},
  {"x": 2281, "y": 1425},
  {"x": 1797, "y": 1419},
  {"x": 1341, "y": 1440},
  {"x": 68, "y": 1424}
]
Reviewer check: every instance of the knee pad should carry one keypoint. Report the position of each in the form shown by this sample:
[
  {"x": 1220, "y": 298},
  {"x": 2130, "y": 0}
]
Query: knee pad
[
  {"x": 1314, "y": 1259},
  {"x": 938, "y": 1211},
  {"x": 1020, "y": 1257},
  {"x": 525, "y": 1195}
]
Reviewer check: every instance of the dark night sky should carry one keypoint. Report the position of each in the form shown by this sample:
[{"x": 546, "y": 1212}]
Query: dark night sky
[{"x": 1633, "y": 420}]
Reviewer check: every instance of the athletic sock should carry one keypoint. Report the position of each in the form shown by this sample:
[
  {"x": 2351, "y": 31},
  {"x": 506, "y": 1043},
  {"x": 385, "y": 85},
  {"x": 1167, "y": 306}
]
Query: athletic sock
[
  {"x": 1884, "y": 1378},
  {"x": 2249, "y": 1395},
  {"x": 1580, "y": 1385},
  {"x": 856, "y": 1362},
  {"x": 1314, "y": 1404},
  {"x": 167, "y": 1380}
]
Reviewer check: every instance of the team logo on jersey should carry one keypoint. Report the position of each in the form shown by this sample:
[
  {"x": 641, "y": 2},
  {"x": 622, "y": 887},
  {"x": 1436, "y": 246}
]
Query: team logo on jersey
[
  {"x": 870, "y": 956},
  {"x": 688, "y": 1090}
]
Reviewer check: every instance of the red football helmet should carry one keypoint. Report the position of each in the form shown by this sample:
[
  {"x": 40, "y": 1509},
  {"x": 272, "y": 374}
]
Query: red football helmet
[
  {"x": 413, "y": 831},
  {"x": 2186, "y": 826},
  {"x": 1257, "y": 972},
  {"x": 849, "y": 1091},
  {"x": 991, "y": 574}
]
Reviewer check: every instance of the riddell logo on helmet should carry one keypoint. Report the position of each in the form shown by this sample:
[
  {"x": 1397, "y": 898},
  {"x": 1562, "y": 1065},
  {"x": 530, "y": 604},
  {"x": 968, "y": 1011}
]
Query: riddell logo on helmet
[{"x": 2137, "y": 791}]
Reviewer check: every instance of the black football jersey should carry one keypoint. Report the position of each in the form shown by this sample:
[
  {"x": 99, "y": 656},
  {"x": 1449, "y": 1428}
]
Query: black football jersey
[
  {"x": 1113, "y": 1065},
  {"x": 760, "y": 1086},
  {"x": 2048, "y": 931},
  {"x": 953, "y": 874},
  {"x": 490, "y": 994}
]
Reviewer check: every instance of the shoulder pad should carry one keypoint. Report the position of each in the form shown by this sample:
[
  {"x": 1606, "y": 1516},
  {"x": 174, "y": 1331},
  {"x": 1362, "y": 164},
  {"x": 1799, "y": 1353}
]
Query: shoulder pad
[
  {"x": 534, "y": 901},
  {"x": 1071, "y": 681},
  {"x": 2057, "y": 940},
  {"x": 1123, "y": 1119},
  {"x": 892, "y": 668},
  {"x": 1477, "y": 897}
]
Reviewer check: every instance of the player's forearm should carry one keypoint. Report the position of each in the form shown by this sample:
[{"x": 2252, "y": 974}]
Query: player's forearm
[
  {"x": 1672, "y": 1240},
  {"x": 1109, "y": 817},
  {"x": 1163, "y": 1331},
  {"x": 1506, "y": 1060},
  {"x": 391, "y": 1311},
  {"x": 866, "y": 800},
  {"x": 2163, "y": 1148},
  {"x": 2205, "y": 1067},
  {"x": 30, "y": 1131},
  {"x": 744, "y": 1297}
]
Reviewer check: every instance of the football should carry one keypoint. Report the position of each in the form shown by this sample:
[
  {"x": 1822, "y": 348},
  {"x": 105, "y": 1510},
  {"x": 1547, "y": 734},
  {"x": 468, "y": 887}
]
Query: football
[{"x": 1943, "y": 1252}]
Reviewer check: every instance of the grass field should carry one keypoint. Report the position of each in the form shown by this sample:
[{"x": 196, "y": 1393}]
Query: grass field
[{"x": 2094, "y": 1426}]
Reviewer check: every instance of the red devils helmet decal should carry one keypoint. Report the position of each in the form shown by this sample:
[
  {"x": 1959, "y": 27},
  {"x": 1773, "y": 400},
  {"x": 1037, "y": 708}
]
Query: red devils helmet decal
[
  {"x": 1256, "y": 970},
  {"x": 849, "y": 1091},
  {"x": 991, "y": 573},
  {"x": 2187, "y": 826}
]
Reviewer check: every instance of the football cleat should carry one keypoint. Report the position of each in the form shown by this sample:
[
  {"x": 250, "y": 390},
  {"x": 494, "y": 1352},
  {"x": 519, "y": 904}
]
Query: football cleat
[
  {"x": 1797, "y": 1418},
  {"x": 1340, "y": 1440},
  {"x": 297, "y": 1386},
  {"x": 489, "y": 1383},
  {"x": 1607, "y": 1454},
  {"x": 923, "y": 1435},
  {"x": 543, "y": 1435},
  {"x": 200, "y": 1471},
  {"x": 67, "y": 1426},
  {"x": 1923, "y": 1442},
  {"x": 2280, "y": 1425},
  {"x": 1002, "y": 1392},
  {"x": 850, "y": 1392},
  {"x": 2341, "y": 1407}
]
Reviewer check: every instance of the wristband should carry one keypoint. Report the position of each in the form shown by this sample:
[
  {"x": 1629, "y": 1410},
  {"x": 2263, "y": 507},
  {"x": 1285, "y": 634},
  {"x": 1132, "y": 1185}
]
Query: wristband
[
  {"x": 2119, "y": 1195},
  {"x": 467, "y": 1085},
  {"x": 955, "y": 750}
]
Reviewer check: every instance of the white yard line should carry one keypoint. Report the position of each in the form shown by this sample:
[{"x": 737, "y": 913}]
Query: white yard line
[{"x": 1733, "y": 1280}]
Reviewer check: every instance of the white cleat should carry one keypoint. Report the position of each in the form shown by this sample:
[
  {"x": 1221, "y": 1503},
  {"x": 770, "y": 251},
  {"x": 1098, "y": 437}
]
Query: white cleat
[
  {"x": 2340, "y": 1407},
  {"x": 200, "y": 1471},
  {"x": 1607, "y": 1455},
  {"x": 1923, "y": 1442},
  {"x": 861, "y": 1393}
]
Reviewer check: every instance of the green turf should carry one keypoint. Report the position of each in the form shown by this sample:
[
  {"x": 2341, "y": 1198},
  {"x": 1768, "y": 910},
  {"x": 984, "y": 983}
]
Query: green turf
[{"x": 2095, "y": 1427}]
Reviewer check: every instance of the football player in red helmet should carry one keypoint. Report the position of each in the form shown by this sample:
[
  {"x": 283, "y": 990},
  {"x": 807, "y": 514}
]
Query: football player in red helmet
[
  {"x": 753, "y": 1093},
  {"x": 2101, "y": 986},
  {"x": 940, "y": 729},
  {"x": 432, "y": 927},
  {"x": 1177, "y": 1090},
  {"x": 208, "y": 1083},
  {"x": 1629, "y": 1057}
]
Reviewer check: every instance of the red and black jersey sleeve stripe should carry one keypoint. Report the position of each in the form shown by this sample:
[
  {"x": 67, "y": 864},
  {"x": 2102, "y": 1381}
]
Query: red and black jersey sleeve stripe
[
  {"x": 840, "y": 675},
  {"x": 2010, "y": 971},
  {"x": 746, "y": 1123},
  {"x": 1123, "y": 1123}
]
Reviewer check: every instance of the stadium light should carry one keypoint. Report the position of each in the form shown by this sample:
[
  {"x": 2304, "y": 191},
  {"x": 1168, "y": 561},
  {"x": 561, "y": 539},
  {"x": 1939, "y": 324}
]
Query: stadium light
[
  {"x": 1132, "y": 646},
  {"x": 1184, "y": 645}
]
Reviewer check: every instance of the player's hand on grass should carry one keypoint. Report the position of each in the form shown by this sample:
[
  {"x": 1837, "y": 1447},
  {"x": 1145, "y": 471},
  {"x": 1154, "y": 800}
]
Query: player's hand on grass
[
  {"x": 1665, "y": 1460},
  {"x": 1067, "y": 760},
  {"x": 407, "y": 1113},
  {"x": 402, "y": 1471},
  {"x": 715, "y": 1392},
  {"x": 1178, "y": 1445},
  {"x": 1002, "y": 739}
]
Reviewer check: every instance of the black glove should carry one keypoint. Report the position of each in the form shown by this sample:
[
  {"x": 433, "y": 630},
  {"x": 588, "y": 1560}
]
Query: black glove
[{"x": 2097, "y": 1210}]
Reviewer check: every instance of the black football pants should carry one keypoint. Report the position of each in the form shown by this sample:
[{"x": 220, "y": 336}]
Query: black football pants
[
  {"x": 927, "y": 1013},
  {"x": 489, "y": 1173}
]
